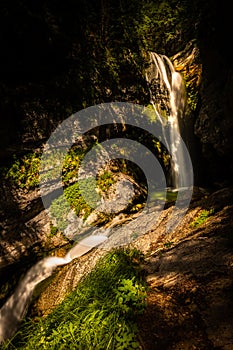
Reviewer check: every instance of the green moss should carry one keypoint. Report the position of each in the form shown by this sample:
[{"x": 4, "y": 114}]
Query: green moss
[
  {"x": 201, "y": 218},
  {"x": 105, "y": 181},
  {"x": 53, "y": 230},
  {"x": 24, "y": 172},
  {"x": 82, "y": 197}
]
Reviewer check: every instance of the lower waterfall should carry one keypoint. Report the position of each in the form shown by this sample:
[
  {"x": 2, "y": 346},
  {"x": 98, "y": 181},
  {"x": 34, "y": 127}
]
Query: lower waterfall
[{"x": 15, "y": 307}]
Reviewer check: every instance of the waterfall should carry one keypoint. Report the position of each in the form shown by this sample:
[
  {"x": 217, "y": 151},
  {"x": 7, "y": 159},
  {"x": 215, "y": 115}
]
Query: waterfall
[
  {"x": 167, "y": 93},
  {"x": 16, "y": 306}
]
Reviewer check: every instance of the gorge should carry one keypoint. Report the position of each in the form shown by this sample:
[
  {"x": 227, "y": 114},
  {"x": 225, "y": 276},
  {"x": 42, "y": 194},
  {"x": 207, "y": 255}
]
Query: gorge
[{"x": 40, "y": 92}]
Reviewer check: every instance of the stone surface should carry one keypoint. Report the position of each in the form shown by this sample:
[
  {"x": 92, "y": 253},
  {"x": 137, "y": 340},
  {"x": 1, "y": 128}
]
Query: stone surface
[
  {"x": 189, "y": 273},
  {"x": 190, "y": 297}
]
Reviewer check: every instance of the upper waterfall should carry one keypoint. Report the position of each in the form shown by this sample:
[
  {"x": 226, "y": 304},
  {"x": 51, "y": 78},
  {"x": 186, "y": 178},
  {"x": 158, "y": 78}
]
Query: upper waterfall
[{"x": 168, "y": 97}]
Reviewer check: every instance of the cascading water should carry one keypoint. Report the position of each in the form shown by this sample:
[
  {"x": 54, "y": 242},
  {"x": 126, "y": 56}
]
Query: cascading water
[
  {"x": 16, "y": 306},
  {"x": 167, "y": 94}
]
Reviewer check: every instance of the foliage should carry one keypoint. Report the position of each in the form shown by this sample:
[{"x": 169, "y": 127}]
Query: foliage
[
  {"x": 192, "y": 97},
  {"x": 24, "y": 172},
  {"x": 168, "y": 244},
  {"x": 99, "y": 314},
  {"x": 71, "y": 165},
  {"x": 82, "y": 197},
  {"x": 202, "y": 217},
  {"x": 166, "y": 25},
  {"x": 53, "y": 230},
  {"x": 105, "y": 181}
]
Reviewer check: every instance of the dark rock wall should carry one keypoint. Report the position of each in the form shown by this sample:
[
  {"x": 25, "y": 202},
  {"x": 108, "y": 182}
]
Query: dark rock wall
[{"x": 214, "y": 123}]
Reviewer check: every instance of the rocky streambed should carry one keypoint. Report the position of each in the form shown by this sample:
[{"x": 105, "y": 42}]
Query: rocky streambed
[{"x": 189, "y": 272}]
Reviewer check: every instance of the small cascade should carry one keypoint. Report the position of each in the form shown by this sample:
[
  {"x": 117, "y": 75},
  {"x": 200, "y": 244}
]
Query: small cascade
[
  {"x": 16, "y": 306},
  {"x": 167, "y": 93}
]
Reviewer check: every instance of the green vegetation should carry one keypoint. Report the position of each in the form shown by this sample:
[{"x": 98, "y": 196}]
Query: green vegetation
[
  {"x": 105, "y": 181},
  {"x": 82, "y": 197},
  {"x": 53, "y": 230},
  {"x": 168, "y": 244},
  {"x": 100, "y": 314},
  {"x": 62, "y": 57},
  {"x": 24, "y": 172},
  {"x": 192, "y": 90},
  {"x": 72, "y": 198},
  {"x": 168, "y": 19},
  {"x": 71, "y": 164},
  {"x": 202, "y": 217}
]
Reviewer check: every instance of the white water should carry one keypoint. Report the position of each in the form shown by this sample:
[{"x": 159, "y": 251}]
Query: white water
[
  {"x": 171, "y": 92},
  {"x": 16, "y": 306}
]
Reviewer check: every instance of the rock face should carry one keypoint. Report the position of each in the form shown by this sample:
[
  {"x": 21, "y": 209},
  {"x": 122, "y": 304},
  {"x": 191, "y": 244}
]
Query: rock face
[
  {"x": 25, "y": 226},
  {"x": 214, "y": 123},
  {"x": 189, "y": 272},
  {"x": 190, "y": 297},
  {"x": 206, "y": 65},
  {"x": 208, "y": 131}
]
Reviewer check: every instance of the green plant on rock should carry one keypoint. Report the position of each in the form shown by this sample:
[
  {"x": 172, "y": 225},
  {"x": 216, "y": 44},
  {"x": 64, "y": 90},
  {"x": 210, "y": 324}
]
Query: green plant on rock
[
  {"x": 82, "y": 197},
  {"x": 192, "y": 97},
  {"x": 105, "y": 180},
  {"x": 53, "y": 230},
  {"x": 24, "y": 172},
  {"x": 130, "y": 295},
  {"x": 168, "y": 244},
  {"x": 72, "y": 162},
  {"x": 71, "y": 199},
  {"x": 126, "y": 338},
  {"x": 202, "y": 217}
]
